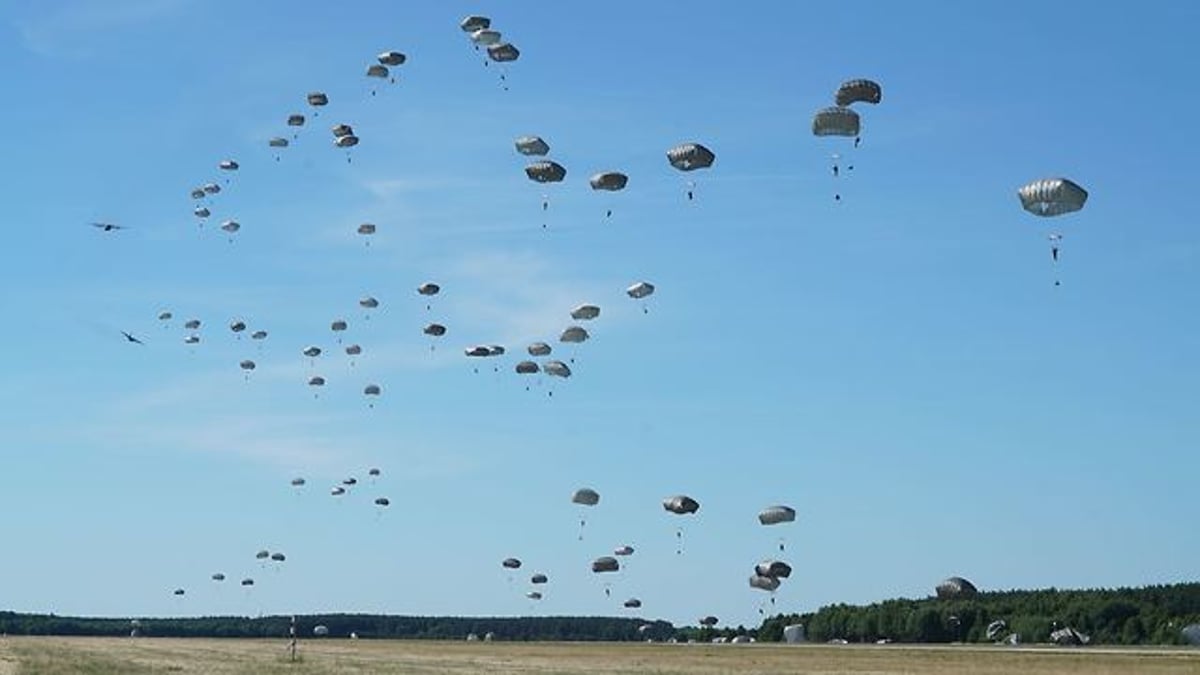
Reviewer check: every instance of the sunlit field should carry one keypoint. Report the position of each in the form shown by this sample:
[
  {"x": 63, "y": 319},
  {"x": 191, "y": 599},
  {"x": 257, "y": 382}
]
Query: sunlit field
[{"x": 53, "y": 655}]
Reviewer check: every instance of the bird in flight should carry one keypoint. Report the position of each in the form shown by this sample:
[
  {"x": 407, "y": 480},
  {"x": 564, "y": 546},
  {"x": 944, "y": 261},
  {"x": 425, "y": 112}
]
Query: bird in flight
[
  {"x": 108, "y": 227},
  {"x": 132, "y": 338}
]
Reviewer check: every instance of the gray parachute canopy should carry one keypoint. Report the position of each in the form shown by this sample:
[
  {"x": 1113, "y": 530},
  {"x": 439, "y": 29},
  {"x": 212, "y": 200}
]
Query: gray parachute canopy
[
  {"x": 231, "y": 226},
  {"x": 316, "y": 381},
  {"x": 486, "y": 37},
  {"x": 546, "y": 172},
  {"x": 192, "y": 324},
  {"x": 640, "y": 290},
  {"x": 538, "y": 349},
  {"x": 247, "y": 365},
  {"x": 317, "y": 98},
  {"x": 258, "y": 335},
  {"x": 202, "y": 212},
  {"x": 369, "y": 302},
  {"x": 247, "y": 582},
  {"x": 353, "y": 350},
  {"x": 474, "y": 22},
  {"x": 511, "y": 563},
  {"x": 835, "y": 121},
  {"x": 495, "y": 350},
  {"x": 391, "y": 58},
  {"x": 192, "y": 340},
  {"x": 211, "y": 188},
  {"x": 278, "y": 142},
  {"x": 165, "y": 316},
  {"x": 556, "y": 369},
  {"x": 586, "y": 496},
  {"x": 532, "y": 145},
  {"x": 609, "y": 180},
  {"x": 297, "y": 482},
  {"x": 263, "y": 554},
  {"x": 503, "y": 52},
  {"x": 633, "y": 603},
  {"x": 585, "y": 312},
  {"x": 350, "y": 481},
  {"x": 1052, "y": 197},
  {"x": 574, "y": 334},
  {"x": 956, "y": 587},
  {"x": 382, "y": 501},
  {"x": 337, "y": 491},
  {"x": 538, "y": 578},
  {"x": 681, "y": 504},
  {"x": 373, "y": 472},
  {"x": 311, "y": 351},
  {"x": 623, "y": 550},
  {"x": 858, "y": 91},
  {"x": 372, "y": 390},
  {"x": 278, "y": 557},
  {"x": 198, "y": 193},
  {"x": 434, "y": 329},
  {"x": 690, "y": 156},
  {"x": 295, "y": 120},
  {"x": 340, "y": 130},
  {"x": 428, "y": 288},
  {"x": 995, "y": 629},
  {"x": 527, "y": 368},
  {"x": 708, "y": 621},
  {"x": 229, "y": 165},
  {"x": 366, "y": 228},
  {"x": 605, "y": 564},
  {"x": 338, "y": 325},
  {"x": 477, "y": 350},
  {"x": 179, "y": 591},
  {"x": 377, "y": 70},
  {"x": 346, "y": 141},
  {"x": 218, "y": 577},
  {"x": 776, "y": 569},
  {"x": 534, "y": 595},
  {"x": 764, "y": 583},
  {"x": 773, "y": 515}
]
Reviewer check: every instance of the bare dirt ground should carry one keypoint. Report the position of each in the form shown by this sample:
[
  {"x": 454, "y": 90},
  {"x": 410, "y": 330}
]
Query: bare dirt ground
[{"x": 102, "y": 656}]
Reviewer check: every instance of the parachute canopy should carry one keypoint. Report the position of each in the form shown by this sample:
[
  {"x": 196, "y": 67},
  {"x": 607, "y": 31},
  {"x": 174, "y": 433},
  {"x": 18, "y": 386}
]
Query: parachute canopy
[
  {"x": 474, "y": 22},
  {"x": 366, "y": 228},
  {"x": 312, "y": 351},
  {"x": 353, "y": 350},
  {"x": 247, "y": 365},
  {"x": 503, "y": 52},
  {"x": 317, "y": 98},
  {"x": 316, "y": 381},
  {"x": 346, "y": 141},
  {"x": 372, "y": 390},
  {"x": 527, "y": 368},
  {"x": 546, "y": 172},
  {"x": 295, "y": 120},
  {"x": 278, "y": 557},
  {"x": 340, "y": 130},
  {"x": 690, "y": 156},
  {"x": 835, "y": 121},
  {"x": 320, "y": 631},
  {"x": 773, "y": 515},
  {"x": 382, "y": 501},
  {"x": 377, "y": 70},
  {"x": 956, "y": 587},
  {"x": 858, "y": 91},
  {"x": 764, "y": 583},
  {"x": 574, "y": 334},
  {"x": 538, "y": 349},
  {"x": 640, "y": 290},
  {"x": 228, "y": 165},
  {"x": 258, "y": 335},
  {"x": 278, "y": 142},
  {"x": 585, "y": 312},
  {"x": 368, "y": 302},
  {"x": 605, "y": 564},
  {"x": 391, "y": 58},
  {"x": 218, "y": 577},
  {"x": 609, "y": 180},
  {"x": 538, "y": 578},
  {"x": 297, "y": 482},
  {"x": 681, "y": 504},
  {"x": 776, "y": 569},
  {"x": 633, "y": 603},
  {"x": 428, "y": 288},
  {"x": 532, "y": 145},
  {"x": 586, "y": 496},
  {"x": 623, "y": 550},
  {"x": 511, "y": 563},
  {"x": 534, "y": 595},
  {"x": 556, "y": 368},
  {"x": 708, "y": 621},
  {"x": 434, "y": 329},
  {"x": 1052, "y": 197},
  {"x": 486, "y": 37}
]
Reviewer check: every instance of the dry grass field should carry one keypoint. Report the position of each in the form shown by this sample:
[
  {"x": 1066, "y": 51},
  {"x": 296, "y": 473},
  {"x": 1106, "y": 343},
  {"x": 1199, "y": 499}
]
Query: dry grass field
[{"x": 103, "y": 656}]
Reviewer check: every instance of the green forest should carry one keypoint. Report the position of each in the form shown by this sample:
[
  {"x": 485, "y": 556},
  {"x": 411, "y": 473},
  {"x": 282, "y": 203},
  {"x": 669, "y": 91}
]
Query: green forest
[{"x": 1123, "y": 616}]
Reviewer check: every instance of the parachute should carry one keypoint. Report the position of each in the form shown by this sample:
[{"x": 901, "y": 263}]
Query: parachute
[
  {"x": 201, "y": 212},
  {"x": 373, "y": 472},
  {"x": 316, "y": 381},
  {"x": 477, "y": 351},
  {"x": 586, "y": 497},
  {"x": 835, "y": 121},
  {"x": 228, "y": 165},
  {"x": 609, "y": 180},
  {"x": 372, "y": 390},
  {"x": 366, "y": 228},
  {"x": 192, "y": 324},
  {"x": 546, "y": 171},
  {"x": 486, "y": 37},
  {"x": 428, "y": 288},
  {"x": 955, "y": 587},
  {"x": 532, "y": 145},
  {"x": 337, "y": 491},
  {"x": 317, "y": 99},
  {"x": 858, "y": 91},
  {"x": 474, "y": 22},
  {"x": 350, "y": 481},
  {"x": 708, "y": 621},
  {"x": 538, "y": 578},
  {"x": 775, "y": 569},
  {"x": 247, "y": 365},
  {"x": 534, "y": 595},
  {"x": 1052, "y": 197},
  {"x": 295, "y": 120},
  {"x": 312, "y": 351},
  {"x": 278, "y": 557},
  {"x": 218, "y": 577},
  {"x": 434, "y": 329},
  {"x": 247, "y": 582},
  {"x": 211, "y": 188},
  {"x": 764, "y": 583},
  {"x": 527, "y": 368},
  {"x": 197, "y": 193},
  {"x": 382, "y": 501},
  {"x": 574, "y": 334},
  {"x": 258, "y": 335},
  {"x": 391, "y": 58},
  {"x": 165, "y": 316},
  {"x": 773, "y": 515},
  {"x": 623, "y": 550},
  {"x": 368, "y": 302},
  {"x": 503, "y": 52},
  {"x": 538, "y": 349},
  {"x": 298, "y": 482},
  {"x": 585, "y": 312},
  {"x": 495, "y": 350},
  {"x": 633, "y": 603},
  {"x": 556, "y": 369},
  {"x": 376, "y": 70},
  {"x": 278, "y": 142},
  {"x": 681, "y": 504},
  {"x": 605, "y": 564},
  {"x": 179, "y": 591},
  {"x": 690, "y": 156},
  {"x": 511, "y": 563},
  {"x": 191, "y": 340},
  {"x": 340, "y": 130},
  {"x": 320, "y": 631},
  {"x": 995, "y": 629},
  {"x": 263, "y": 554}
]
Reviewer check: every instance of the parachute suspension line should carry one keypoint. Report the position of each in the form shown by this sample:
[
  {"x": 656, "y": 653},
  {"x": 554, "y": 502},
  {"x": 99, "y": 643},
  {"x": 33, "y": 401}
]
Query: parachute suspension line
[
  {"x": 679, "y": 541},
  {"x": 582, "y": 522}
]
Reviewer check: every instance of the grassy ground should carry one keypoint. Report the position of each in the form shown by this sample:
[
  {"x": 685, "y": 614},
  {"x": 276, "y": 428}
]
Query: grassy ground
[{"x": 104, "y": 656}]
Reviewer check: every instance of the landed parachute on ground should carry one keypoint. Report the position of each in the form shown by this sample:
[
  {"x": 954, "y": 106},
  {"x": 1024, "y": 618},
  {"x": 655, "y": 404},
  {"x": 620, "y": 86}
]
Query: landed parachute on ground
[{"x": 858, "y": 91}]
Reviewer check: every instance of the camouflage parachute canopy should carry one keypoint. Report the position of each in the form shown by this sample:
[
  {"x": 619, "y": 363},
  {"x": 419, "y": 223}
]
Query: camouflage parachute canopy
[
  {"x": 858, "y": 91},
  {"x": 690, "y": 156},
  {"x": 586, "y": 496},
  {"x": 1052, "y": 197},
  {"x": 835, "y": 121},
  {"x": 546, "y": 172},
  {"x": 609, "y": 180},
  {"x": 681, "y": 504}
]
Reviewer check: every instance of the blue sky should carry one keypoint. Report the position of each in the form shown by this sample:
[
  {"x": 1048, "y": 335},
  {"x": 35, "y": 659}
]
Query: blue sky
[{"x": 899, "y": 366}]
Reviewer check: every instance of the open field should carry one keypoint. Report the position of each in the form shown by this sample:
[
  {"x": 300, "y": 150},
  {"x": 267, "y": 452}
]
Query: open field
[{"x": 97, "y": 656}]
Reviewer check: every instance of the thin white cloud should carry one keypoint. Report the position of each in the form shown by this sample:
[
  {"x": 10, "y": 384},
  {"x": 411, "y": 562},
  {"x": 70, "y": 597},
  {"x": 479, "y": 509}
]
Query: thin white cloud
[{"x": 70, "y": 28}]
